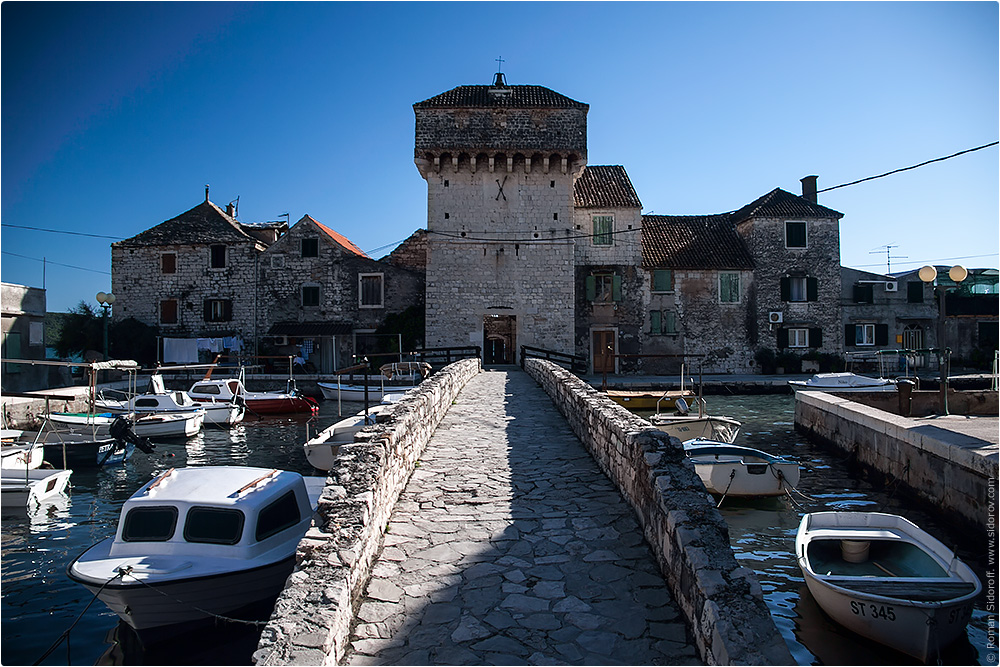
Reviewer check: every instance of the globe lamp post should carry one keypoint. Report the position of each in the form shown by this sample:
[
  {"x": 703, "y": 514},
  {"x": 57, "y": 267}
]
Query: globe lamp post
[{"x": 928, "y": 274}]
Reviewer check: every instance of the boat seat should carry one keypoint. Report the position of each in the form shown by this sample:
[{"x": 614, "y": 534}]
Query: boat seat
[{"x": 908, "y": 589}]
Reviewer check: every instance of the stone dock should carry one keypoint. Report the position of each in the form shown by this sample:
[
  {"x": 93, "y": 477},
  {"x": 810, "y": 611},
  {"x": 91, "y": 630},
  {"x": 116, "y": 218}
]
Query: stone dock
[{"x": 505, "y": 517}]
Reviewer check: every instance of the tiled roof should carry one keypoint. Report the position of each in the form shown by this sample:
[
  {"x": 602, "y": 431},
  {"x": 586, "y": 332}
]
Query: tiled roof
[
  {"x": 780, "y": 204},
  {"x": 602, "y": 186},
  {"x": 205, "y": 223},
  {"x": 308, "y": 329},
  {"x": 693, "y": 241},
  {"x": 524, "y": 97},
  {"x": 339, "y": 239}
]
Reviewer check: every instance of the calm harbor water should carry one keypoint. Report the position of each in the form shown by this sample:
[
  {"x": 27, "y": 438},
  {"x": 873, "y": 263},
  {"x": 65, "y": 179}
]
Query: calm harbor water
[{"x": 40, "y": 603}]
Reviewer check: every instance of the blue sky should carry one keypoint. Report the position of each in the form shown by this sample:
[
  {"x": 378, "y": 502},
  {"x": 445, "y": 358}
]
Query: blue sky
[{"x": 116, "y": 115}]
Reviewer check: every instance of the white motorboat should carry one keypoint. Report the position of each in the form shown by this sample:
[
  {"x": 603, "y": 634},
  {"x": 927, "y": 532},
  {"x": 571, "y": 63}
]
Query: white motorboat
[
  {"x": 208, "y": 392},
  {"x": 30, "y": 487},
  {"x": 881, "y": 576},
  {"x": 732, "y": 470},
  {"x": 356, "y": 392},
  {"x": 152, "y": 425},
  {"x": 155, "y": 401},
  {"x": 685, "y": 426},
  {"x": 841, "y": 382},
  {"x": 321, "y": 449},
  {"x": 195, "y": 544},
  {"x": 17, "y": 453}
]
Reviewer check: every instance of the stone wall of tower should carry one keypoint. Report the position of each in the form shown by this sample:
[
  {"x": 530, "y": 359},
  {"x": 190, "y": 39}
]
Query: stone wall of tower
[
  {"x": 500, "y": 220},
  {"x": 499, "y": 244}
]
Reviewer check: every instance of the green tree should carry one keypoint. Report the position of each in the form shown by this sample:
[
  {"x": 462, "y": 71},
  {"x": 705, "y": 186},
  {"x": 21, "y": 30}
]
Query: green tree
[{"x": 82, "y": 330}]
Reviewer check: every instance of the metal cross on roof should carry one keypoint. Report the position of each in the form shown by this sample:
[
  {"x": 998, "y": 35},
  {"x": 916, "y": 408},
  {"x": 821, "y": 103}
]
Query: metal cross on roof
[{"x": 500, "y": 62}]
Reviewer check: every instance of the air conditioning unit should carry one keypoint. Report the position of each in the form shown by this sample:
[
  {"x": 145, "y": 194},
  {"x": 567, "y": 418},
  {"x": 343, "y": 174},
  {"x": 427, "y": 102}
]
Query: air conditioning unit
[
  {"x": 891, "y": 286},
  {"x": 775, "y": 317},
  {"x": 281, "y": 340}
]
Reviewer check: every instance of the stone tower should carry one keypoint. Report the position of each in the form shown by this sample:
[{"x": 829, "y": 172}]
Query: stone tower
[{"x": 500, "y": 163}]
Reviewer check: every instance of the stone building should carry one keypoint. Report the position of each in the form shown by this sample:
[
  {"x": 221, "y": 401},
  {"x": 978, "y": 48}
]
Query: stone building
[
  {"x": 608, "y": 276},
  {"x": 500, "y": 163},
  {"x": 23, "y": 330},
  {"x": 320, "y": 293},
  {"x": 193, "y": 276}
]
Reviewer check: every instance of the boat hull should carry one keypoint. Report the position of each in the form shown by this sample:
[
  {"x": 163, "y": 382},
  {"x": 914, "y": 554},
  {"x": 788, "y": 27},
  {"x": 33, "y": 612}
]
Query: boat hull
[
  {"x": 842, "y": 382},
  {"x": 88, "y": 453},
  {"x": 730, "y": 470},
  {"x": 356, "y": 393},
  {"x": 683, "y": 428},
  {"x": 647, "y": 400},
  {"x": 161, "y": 607},
  {"x": 28, "y": 488},
  {"x": 905, "y": 589},
  {"x": 281, "y": 405}
]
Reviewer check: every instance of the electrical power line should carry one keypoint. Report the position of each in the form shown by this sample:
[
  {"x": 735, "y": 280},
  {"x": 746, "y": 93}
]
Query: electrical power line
[
  {"x": 930, "y": 261},
  {"x": 60, "y": 231},
  {"x": 49, "y": 261},
  {"x": 896, "y": 171}
]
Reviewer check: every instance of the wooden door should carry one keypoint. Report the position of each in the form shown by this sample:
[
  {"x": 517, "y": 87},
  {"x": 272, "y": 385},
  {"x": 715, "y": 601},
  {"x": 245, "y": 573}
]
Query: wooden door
[{"x": 604, "y": 351}]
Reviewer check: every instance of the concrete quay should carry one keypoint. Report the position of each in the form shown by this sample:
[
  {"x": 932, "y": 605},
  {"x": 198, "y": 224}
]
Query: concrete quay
[{"x": 510, "y": 546}]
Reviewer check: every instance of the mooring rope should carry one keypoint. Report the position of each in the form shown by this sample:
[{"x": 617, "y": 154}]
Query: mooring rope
[
  {"x": 732, "y": 476},
  {"x": 65, "y": 634}
]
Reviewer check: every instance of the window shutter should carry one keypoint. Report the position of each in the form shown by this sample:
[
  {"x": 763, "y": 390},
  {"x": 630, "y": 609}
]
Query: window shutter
[
  {"x": 850, "y": 335},
  {"x": 816, "y": 337},
  {"x": 812, "y": 289},
  {"x": 782, "y": 338},
  {"x": 206, "y": 311},
  {"x": 616, "y": 288},
  {"x": 591, "y": 288},
  {"x": 654, "y": 322},
  {"x": 881, "y": 334},
  {"x": 786, "y": 289},
  {"x": 227, "y": 310}
]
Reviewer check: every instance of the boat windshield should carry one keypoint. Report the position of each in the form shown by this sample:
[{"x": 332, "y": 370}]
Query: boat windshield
[{"x": 150, "y": 524}]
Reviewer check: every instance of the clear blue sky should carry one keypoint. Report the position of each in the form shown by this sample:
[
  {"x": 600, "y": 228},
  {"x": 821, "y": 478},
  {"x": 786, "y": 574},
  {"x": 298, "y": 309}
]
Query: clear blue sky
[{"x": 116, "y": 115}]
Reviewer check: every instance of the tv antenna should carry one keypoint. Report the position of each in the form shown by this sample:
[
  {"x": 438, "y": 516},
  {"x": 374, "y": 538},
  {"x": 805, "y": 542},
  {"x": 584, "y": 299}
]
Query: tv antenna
[{"x": 888, "y": 256}]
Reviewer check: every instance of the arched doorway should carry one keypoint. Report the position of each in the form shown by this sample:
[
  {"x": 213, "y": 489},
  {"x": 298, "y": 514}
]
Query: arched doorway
[{"x": 499, "y": 339}]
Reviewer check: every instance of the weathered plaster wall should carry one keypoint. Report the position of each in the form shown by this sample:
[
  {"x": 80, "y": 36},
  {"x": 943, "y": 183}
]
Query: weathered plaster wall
[
  {"x": 722, "y": 600},
  {"x": 311, "y": 621}
]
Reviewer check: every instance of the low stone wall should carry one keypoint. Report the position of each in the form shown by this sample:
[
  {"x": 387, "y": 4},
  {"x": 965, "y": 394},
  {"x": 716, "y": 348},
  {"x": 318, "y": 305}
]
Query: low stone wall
[
  {"x": 955, "y": 480},
  {"x": 28, "y": 413},
  {"x": 312, "y": 618},
  {"x": 722, "y": 601}
]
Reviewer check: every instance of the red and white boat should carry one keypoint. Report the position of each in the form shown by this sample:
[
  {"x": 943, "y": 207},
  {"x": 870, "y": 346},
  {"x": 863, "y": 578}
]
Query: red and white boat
[{"x": 228, "y": 390}]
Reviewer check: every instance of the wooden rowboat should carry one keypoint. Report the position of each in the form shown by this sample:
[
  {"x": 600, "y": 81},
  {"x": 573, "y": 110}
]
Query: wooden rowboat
[{"x": 881, "y": 576}]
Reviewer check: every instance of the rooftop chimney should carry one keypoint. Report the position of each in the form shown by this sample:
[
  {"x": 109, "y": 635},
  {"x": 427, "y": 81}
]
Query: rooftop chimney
[
  {"x": 231, "y": 210},
  {"x": 206, "y": 192},
  {"x": 809, "y": 188}
]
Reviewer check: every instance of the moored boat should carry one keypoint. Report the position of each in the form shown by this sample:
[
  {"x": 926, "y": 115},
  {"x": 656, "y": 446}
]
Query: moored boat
[
  {"x": 321, "y": 449},
  {"x": 843, "y": 382},
  {"x": 883, "y": 577},
  {"x": 356, "y": 392},
  {"x": 195, "y": 544},
  {"x": 31, "y": 487},
  {"x": 732, "y": 470},
  {"x": 685, "y": 426},
  {"x": 232, "y": 390},
  {"x": 152, "y": 425}
]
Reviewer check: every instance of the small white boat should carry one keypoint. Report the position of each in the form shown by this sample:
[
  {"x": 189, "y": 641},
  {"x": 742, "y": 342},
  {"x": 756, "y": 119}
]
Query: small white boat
[
  {"x": 840, "y": 382},
  {"x": 17, "y": 454},
  {"x": 356, "y": 392},
  {"x": 197, "y": 543},
  {"x": 732, "y": 470},
  {"x": 155, "y": 401},
  {"x": 209, "y": 392},
  {"x": 321, "y": 450},
  {"x": 31, "y": 487},
  {"x": 152, "y": 425},
  {"x": 685, "y": 426},
  {"x": 881, "y": 576}
]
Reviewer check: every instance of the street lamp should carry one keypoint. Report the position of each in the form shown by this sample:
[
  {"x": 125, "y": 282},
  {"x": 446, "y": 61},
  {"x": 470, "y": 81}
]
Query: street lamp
[
  {"x": 105, "y": 299},
  {"x": 928, "y": 274}
]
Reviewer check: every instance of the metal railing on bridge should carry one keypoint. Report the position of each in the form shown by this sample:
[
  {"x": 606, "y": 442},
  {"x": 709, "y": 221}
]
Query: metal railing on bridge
[
  {"x": 576, "y": 363},
  {"x": 442, "y": 356}
]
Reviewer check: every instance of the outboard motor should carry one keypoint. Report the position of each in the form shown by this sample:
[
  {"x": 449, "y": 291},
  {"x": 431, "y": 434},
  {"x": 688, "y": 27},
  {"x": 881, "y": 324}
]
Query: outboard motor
[{"x": 122, "y": 431}]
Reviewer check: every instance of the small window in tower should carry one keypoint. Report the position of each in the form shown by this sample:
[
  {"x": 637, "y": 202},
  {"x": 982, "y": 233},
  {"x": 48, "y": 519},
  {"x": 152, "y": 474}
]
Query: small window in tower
[
  {"x": 555, "y": 216},
  {"x": 552, "y": 184},
  {"x": 446, "y": 216},
  {"x": 446, "y": 183}
]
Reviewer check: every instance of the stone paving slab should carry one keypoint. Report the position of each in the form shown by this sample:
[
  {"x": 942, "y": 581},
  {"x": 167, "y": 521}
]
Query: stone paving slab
[{"x": 509, "y": 547}]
